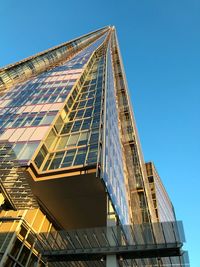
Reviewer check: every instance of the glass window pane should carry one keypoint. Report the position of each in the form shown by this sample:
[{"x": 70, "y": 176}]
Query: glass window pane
[
  {"x": 48, "y": 119},
  {"x": 95, "y": 122},
  {"x": 68, "y": 158},
  {"x": 76, "y": 126},
  {"x": 73, "y": 139},
  {"x": 80, "y": 156},
  {"x": 70, "y": 102},
  {"x": 58, "y": 124},
  {"x": 86, "y": 124},
  {"x": 72, "y": 115},
  {"x": 79, "y": 114},
  {"x": 92, "y": 155},
  {"x": 88, "y": 112},
  {"x": 83, "y": 138},
  {"x": 18, "y": 122},
  {"x": 94, "y": 137},
  {"x": 90, "y": 102},
  {"x": 75, "y": 105},
  {"x": 37, "y": 121},
  {"x": 81, "y": 104},
  {"x": 83, "y": 96},
  {"x": 28, "y": 151},
  {"x": 40, "y": 156},
  {"x": 50, "y": 139},
  {"x": 27, "y": 121},
  {"x": 48, "y": 162},
  {"x": 67, "y": 128},
  {"x": 18, "y": 148},
  {"x": 56, "y": 160},
  {"x": 62, "y": 142}
]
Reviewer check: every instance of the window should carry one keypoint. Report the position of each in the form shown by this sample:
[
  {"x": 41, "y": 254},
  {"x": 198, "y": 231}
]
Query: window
[
  {"x": 85, "y": 89},
  {"x": 48, "y": 162},
  {"x": 71, "y": 115},
  {"x": 37, "y": 121},
  {"x": 73, "y": 139},
  {"x": 56, "y": 160},
  {"x": 79, "y": 114},
  {"x": 18, "y": 122},
  {"x": 16, "y": 248},
  {"x": 84, "y": 96},
  {"x": 74, "y": 93},
  {"x": 50, "y": 139},
  {"x": 24, "y": 255},
  {"x": 28, "y": 151},
  {"x": 62, "y": 142},
  {"x": 58, "y": 124},
  {"x": 48, "y": 119},
  {"x": 70, "y": 102},
  {"x": 83, "y": 139},
  {"x": 86, "y": 124},
  {"x": 76, "y": 126},
  {"x": 69, "y": 156},
  {"x": 18, "y": 148},
  {"x": 81, "y": 104},
  {"x": 150, "y": 179},
  {"x": 67, "y": 128},
  {"x": 80, "y": 156},
  {"x": 92, "y": 155},
  {"x": 94, "y": 137},
  {"x": 75, "y": 105},
  {"x": 91, "y": 94},
  {"x": 27, "y": 121},
  {"x": 95, "y": 122},
  {"x": 90, "y": 102},
  {"x": 88, "y": 112},
  {"x": 40, "y": 156}
]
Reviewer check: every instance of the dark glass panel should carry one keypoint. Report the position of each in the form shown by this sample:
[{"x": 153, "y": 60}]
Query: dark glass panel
[
  {"x": 92, "y": 155},
  {"x": 58, "y": 124},
  {"x": 68, "y": 158},
  {"x": 56, "y": 160},
  {"x": 67, "y": 128},
  {"x": 71, "y": 115},
  {"x": 76, "y": 126},
  {"x": 40, "y": 156},
  {"x": 94, "y": 138},
  {"x": 86, "y": 124},
  {"x": 80, "y": 156},
  {"x": 79, "y": 114},
  {"x": 88, "y": 112},
  {"x": 37, "y": 121},
  {"x": 83, "y": 138},
  {"x": 48, "y": 162}
]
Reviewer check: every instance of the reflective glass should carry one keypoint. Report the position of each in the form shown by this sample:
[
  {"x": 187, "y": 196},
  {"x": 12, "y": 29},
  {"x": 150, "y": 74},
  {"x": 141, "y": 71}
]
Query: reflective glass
[{"x": 68, "y": 158}]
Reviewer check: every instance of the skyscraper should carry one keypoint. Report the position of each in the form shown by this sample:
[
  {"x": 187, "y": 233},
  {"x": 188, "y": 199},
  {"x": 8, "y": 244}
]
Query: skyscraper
[{"x": 70, "y": 159}]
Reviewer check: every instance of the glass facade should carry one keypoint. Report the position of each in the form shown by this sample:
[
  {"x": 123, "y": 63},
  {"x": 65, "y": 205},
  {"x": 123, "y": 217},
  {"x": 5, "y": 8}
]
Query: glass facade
[
  {"x": 75, "y": 141},
  {"x": 70, "y": 157},
  {"x": 18, "y": 242},
  {"x": 113, "y": 174},
  {"x": 25, "y": 69},
  {"x": 29, "y": 108},
  {"x": 162, "y": 204}
]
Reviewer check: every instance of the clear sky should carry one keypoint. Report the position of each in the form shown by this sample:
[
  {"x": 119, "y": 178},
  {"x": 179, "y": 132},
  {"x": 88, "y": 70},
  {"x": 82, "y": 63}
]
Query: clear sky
[{"x": 160, "y": 45}]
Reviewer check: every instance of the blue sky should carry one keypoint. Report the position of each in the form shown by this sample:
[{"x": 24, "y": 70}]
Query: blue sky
[{"x": 159, "y": 41}]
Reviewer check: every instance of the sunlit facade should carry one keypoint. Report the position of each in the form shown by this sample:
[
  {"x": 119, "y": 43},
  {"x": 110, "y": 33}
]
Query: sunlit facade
[
  {"x": 162, "y": 203},
  {"x": 70, "y": 158}
]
